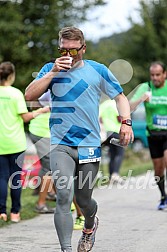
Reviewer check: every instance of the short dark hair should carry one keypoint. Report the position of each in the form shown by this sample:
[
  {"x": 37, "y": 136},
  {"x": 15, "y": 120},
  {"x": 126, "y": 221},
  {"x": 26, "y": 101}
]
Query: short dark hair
[
  {"x": 160, "y": 63},
  {"x": 71, "y": 33}
]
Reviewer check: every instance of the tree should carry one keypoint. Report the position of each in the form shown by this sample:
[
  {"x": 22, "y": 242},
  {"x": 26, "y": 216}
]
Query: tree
[
  {"x": 147, "y": 41},
  {"x": 30, "y": 31}
]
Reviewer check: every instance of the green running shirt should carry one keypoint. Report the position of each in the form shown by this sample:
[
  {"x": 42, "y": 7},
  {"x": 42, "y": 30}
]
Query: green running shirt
[
  {"x": 12, "y": 135},
  {"x": 156, "y": 108}
]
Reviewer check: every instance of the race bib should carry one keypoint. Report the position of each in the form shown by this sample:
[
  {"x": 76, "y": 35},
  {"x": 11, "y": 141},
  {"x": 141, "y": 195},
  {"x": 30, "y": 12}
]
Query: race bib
[
  {"x": 160, "y": 122},
  {"x": 89, "y": 154}
]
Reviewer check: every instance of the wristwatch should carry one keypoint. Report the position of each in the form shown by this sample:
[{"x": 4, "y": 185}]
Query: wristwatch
[{"x": 127, "y": 122}]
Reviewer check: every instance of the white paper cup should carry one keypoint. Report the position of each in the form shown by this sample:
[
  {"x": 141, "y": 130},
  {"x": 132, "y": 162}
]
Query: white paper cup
[{"x": 70, "y": 59}]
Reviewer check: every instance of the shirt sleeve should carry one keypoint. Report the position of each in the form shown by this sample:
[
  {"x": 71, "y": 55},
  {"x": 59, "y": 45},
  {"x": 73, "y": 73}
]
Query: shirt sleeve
[
  {"x": 109, "y": 84},
  {"x": 21, "y": 106},
  {"x": 44, "y": 70}
]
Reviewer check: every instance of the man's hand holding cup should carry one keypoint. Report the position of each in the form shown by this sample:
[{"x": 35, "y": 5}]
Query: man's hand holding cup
[{"x": 62, "y": 63}]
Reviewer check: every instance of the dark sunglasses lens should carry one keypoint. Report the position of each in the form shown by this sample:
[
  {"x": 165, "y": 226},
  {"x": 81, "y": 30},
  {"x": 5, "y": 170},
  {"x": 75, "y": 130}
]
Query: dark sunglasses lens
[
  {"x": 63, "y": 52},
  {"x": 73, "y": 52}
]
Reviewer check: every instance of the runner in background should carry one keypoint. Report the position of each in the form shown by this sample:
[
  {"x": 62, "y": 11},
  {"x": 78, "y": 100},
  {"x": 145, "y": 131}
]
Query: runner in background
[{"x": 154, "y": 95}]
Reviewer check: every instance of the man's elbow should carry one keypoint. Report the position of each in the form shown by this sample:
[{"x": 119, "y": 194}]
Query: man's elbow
[{"x": 29, "y": 95}]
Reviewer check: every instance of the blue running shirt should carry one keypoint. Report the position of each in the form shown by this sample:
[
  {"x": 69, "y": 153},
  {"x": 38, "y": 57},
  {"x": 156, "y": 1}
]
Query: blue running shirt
[{"x": 75, "y": 96}]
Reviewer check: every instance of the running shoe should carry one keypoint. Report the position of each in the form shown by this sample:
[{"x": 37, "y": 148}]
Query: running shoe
[
  {"x": 44, "y": 209},
  {"x": 79, "y": 223},
  {"x": 87, "y": 241},
  {"x": 163, "y": 204},
  {"x": 51, "y": 197},
  {"x": 73, "y": 208}
]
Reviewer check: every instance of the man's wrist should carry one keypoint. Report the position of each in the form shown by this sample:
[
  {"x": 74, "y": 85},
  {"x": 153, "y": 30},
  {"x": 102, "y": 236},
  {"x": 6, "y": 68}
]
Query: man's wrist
[
  {"x": 127, "y": 122},
  {"x": 51, "y": 75}
]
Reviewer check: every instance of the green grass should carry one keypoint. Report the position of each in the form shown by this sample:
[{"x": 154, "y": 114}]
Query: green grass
[
  {"x": 28, "y": 202},
  {"x": 139, "y": 163}
]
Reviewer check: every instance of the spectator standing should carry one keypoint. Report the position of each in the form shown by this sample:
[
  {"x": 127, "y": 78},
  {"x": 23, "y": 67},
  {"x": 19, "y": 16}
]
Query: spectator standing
[{"x": 12, "y": 140}]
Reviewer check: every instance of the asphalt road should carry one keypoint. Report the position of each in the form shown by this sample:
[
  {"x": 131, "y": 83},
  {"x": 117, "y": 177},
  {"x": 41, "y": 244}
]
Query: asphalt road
[{"x": 129, "y": 222}]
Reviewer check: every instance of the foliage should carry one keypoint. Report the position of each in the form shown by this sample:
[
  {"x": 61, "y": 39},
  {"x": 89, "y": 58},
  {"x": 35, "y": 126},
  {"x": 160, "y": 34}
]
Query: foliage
[
  {"x": 140, "y": 45},
  {"x": 107, "y": 49},
  {"x": 147, "y": 41},
  {"x": 30, "y": 31},
  {"x": 30, "y": 36}
]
